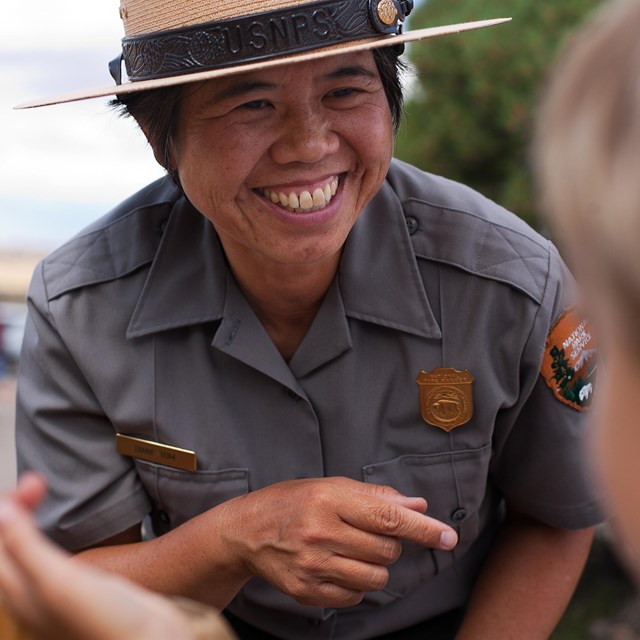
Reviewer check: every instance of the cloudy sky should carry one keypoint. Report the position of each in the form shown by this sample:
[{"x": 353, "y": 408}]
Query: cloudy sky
[{"x": 61, "y": 166}]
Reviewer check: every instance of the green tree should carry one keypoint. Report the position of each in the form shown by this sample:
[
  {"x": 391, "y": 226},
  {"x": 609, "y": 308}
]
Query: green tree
[
  {"x": 563, "y": 371},
  {"x": 469, "y": 117}
]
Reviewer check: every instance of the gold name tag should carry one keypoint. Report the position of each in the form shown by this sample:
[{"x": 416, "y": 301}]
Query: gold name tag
[{"x": 156, "y": 452}]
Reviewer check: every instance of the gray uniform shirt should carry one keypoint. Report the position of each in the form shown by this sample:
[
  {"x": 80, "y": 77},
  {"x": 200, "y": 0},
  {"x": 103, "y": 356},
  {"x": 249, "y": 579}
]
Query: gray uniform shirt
[{"x": 136, "y": 326}]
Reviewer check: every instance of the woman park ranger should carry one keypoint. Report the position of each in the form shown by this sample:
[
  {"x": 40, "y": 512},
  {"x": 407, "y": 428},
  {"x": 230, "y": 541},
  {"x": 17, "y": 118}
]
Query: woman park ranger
[{"x": 331, "y": 394}]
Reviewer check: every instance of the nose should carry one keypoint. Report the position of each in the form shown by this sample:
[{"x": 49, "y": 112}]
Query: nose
[{"x": 305, "y": 135}]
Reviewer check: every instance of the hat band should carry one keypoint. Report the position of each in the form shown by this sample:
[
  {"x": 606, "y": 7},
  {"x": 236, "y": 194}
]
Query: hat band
[{"x": 260, "y": 36}]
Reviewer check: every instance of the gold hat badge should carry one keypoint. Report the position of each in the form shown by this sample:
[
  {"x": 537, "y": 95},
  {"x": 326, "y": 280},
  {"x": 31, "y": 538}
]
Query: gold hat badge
[{"x": 446, "y": 397}]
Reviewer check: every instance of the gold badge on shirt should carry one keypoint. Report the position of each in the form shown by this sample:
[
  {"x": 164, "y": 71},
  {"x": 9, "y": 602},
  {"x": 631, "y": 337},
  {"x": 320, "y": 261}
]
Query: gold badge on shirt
[{"x": 446, "y": 397}]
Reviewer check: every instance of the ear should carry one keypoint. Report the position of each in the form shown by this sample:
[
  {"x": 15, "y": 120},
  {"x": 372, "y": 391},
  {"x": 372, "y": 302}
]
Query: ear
[
  {"x": 157, "y": 152},
  {"x": 162, "y": 149},
  {"x": 165, "y": 156}
]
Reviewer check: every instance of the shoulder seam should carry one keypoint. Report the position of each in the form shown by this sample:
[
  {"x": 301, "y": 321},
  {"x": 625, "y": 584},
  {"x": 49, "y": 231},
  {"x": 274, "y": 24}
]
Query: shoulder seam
[
  {"x": 496, "y": 225},
  {"x": 534, "y": 250}
]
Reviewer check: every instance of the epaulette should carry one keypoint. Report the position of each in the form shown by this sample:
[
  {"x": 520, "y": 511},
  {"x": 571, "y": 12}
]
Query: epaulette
[
  {"x": 457, "y": 226},
  {"x": 116, "y": 244}
]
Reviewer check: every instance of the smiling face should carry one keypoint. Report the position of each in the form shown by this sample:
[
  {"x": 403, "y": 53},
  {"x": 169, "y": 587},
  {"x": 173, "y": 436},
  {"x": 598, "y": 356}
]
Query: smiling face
[{"x": 282, "y": 161}]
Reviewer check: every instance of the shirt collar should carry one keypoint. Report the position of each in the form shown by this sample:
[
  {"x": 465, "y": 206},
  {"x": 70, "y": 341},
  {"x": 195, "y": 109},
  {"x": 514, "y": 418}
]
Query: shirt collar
[
  {"x": 378, "y": 276},
  {"x": 186, "y": 284}
]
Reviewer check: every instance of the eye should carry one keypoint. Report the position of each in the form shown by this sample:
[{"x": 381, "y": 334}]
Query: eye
[
  {"x": 343, "y": 92},
  {"x": 255, "y": 105}
]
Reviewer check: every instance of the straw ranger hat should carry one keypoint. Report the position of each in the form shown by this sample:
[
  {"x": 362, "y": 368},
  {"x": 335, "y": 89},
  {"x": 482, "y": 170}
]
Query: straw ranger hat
[{"x": 170, "y": 42}]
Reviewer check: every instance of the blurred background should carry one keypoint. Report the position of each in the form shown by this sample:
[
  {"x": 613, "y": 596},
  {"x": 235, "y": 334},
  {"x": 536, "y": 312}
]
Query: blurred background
[
  {"x": 61, "y": 166},
  {"x": 470, "y": 108}
]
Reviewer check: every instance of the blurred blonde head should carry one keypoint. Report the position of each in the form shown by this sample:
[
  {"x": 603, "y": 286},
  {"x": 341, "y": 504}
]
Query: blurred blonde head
[
  {"x": 588, "y": 157},
  {"x": 588, "y": 163}
]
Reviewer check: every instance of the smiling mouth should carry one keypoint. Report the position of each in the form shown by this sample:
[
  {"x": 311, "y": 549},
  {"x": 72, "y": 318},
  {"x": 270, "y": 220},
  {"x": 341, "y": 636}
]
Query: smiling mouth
[{"x": 303, "y": 201}]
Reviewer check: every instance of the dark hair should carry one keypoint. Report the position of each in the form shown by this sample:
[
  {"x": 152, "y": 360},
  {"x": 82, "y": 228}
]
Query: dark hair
[
  {"x": 155, "y": 111},
  {"x": 391, "y": 67}
]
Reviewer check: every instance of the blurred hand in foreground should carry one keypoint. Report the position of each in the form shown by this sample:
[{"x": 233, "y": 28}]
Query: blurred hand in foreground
[{"x": 55, "y": 597}]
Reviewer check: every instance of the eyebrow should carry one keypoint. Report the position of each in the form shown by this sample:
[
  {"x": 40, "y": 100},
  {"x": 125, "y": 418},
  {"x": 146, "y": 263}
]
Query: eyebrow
[
  {"x": 242, "y": 88},
  {"x": 350, "y": 72}
]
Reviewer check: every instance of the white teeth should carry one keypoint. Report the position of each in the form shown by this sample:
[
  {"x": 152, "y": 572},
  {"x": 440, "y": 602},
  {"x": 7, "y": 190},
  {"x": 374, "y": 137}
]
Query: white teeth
[
  {"x": 318, "y": 198},
  {"x": 304, "y": 201}
]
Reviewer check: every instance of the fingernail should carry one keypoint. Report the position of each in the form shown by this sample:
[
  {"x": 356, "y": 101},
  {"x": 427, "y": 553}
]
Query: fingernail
[{"x": 448, "y": 540}]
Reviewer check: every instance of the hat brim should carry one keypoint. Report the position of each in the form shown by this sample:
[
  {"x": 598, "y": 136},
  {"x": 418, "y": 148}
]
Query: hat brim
[{"x": 361, "y": 45}]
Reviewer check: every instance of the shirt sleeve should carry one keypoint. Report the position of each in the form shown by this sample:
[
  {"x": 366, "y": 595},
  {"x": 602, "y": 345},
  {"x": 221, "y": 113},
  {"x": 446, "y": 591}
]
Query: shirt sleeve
[
  {"x": 63, "y": 433},
  {"x": 541, "y": 461}
]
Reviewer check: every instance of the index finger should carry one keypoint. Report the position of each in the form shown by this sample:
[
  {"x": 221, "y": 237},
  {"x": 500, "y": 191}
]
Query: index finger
[{"x": 395, "y": 520}]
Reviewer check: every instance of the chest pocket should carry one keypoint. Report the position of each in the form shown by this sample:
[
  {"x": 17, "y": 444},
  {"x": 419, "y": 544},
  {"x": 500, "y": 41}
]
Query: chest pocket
[
  {"x": 454, "y": 484},
  {"x": 178, "y": 496}
]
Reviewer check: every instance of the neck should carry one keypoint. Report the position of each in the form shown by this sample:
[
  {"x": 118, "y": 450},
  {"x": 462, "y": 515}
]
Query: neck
[{"x": 285, "y": 297}]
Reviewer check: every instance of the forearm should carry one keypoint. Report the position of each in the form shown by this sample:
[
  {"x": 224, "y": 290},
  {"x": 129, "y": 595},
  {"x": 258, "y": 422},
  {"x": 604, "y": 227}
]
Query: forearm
[
  {"x": 192, "y": 561},
  {"x": 323, "y": 541},
  {"x": 527, "y": 582}
]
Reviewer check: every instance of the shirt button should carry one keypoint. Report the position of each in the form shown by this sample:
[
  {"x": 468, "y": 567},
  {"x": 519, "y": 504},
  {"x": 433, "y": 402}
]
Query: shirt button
[
  {"x": 164, "y": 517},
  {"x": 412, "y": 224},
  {"x": 459, "y": 515}
]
